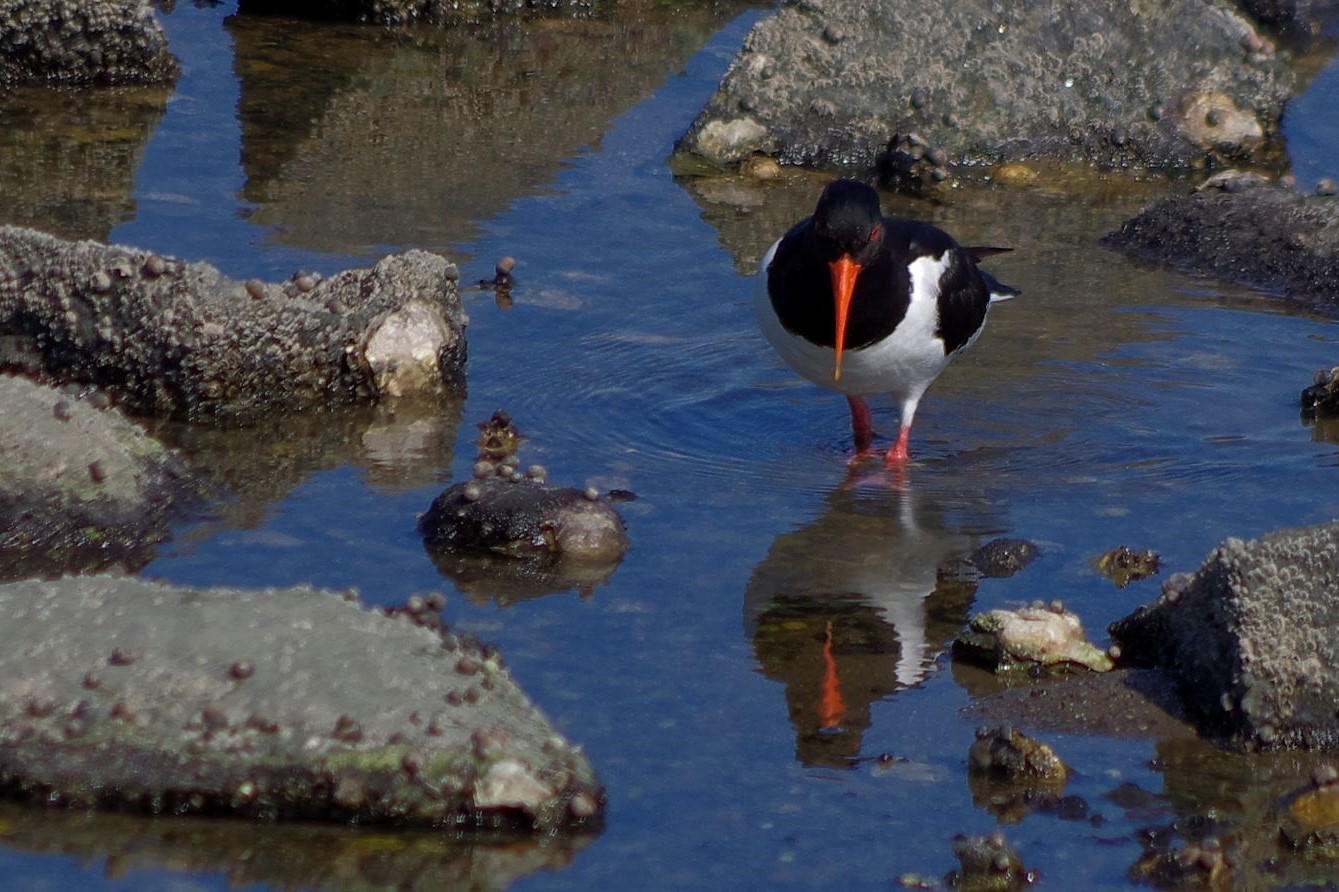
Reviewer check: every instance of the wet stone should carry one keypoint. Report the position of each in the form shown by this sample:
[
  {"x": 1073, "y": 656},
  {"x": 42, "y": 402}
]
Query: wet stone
[
  {"x": 1030, "y": 638},
  {"x": 1003, "y": 557},
  {"x": 1123, "y": 565}
]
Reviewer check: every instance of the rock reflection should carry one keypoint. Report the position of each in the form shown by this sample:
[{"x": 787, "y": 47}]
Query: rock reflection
[
  {"x": 854, "y": 607},
  {"x": 455, "y": 122},
  {"x": 400, "y": 446},
  {"x": 68, "y": 158},
  {"x": 285, "y": 856}
]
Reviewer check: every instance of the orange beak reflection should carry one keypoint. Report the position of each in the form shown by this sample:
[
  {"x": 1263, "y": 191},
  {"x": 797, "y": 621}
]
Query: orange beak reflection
[{"x": 844, "y": 273}]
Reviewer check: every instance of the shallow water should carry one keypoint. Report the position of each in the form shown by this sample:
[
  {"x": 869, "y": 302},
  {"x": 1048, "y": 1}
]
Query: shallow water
[{"x": 1113, "y": 403}]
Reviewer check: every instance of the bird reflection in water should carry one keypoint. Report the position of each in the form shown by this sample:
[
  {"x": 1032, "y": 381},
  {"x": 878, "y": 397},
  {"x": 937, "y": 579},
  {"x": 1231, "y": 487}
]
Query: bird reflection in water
[{"x": 853, "y": 608}]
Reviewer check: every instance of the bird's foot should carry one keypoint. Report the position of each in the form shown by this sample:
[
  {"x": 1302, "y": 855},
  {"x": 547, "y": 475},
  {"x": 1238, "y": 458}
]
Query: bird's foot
[{"x": 900, "y": 455}]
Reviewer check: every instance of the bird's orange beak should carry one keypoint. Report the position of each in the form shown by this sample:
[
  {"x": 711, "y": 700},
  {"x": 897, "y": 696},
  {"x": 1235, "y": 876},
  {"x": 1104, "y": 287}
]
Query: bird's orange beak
[{"x": 844, "y": 273}]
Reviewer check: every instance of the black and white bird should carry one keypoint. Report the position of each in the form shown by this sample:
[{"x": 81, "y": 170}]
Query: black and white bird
[{"x": 865, "y": 304}]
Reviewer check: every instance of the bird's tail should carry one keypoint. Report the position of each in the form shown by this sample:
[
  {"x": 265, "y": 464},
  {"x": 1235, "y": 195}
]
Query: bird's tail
[{"x": 998, "y": 290}]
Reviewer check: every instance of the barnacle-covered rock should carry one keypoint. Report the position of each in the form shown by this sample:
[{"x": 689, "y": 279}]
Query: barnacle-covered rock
[
  {"x": 1249, "y": 638},
  {"x": 81, "y": 486},
  {"x": 1045, "y": 637},
  {"x": 172, "y": 338},
  {"x": 295, "y": 703},
  {"x": 82, "y": 42}
]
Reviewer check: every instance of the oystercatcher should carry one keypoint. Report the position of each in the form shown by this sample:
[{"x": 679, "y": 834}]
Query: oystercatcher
[{"x": 861, "y": 304}]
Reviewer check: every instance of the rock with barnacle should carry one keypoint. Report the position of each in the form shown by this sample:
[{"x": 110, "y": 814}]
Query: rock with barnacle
[
  {"x": 273, "y": 704},
  {"x": 167, "y": 337},
  {"x": 91, "y": 42},
  {"x": 1034, "y": 637},
  {"x": 82, "y": 487},
  {"x": 515, "y": 528},
  {"x": 1249, "y": 639}
]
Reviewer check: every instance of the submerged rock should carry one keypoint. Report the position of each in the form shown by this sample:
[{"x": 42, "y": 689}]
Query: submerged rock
[
  {"x": 1266, "y": 236},
  {"x": 1309, "y": 820},
  {"x": 1036, "y": 637},
  {"x": 81, "y": 487},
  {"x": 1249, "y": 638},
  {"x": 133, "y": 695},
  {"x": 1007, "y": 754},
  {"x": 167, "y": 337},
  {"x": 1000, "y": 558},
  {"x": 917, "y": 89},
  {"x": 988, "y": 864},
  {"x": 83, "y": 42},
  {"x": 1123, "y": 565}
]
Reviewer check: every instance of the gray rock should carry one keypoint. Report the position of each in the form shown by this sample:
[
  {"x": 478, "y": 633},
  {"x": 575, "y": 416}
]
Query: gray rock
[
  {"x": 841, "y": 82},
  {"x": 1249, "y": 638},
  {"x": 294, "y": 703},
  {"x": 81, "y": 488},
  {"x": 168, "y": 337},
  {"x": 81, "y": 42},
  {"x": 1266, "y": 236}
]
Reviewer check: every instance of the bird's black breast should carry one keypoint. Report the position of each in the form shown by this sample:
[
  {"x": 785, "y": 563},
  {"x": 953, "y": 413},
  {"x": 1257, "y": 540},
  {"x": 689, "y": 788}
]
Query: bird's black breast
[{"x": 799, "y": 284}]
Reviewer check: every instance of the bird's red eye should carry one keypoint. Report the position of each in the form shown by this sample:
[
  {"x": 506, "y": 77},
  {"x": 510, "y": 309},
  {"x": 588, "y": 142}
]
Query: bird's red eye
[{"x": 876, "y": 233}]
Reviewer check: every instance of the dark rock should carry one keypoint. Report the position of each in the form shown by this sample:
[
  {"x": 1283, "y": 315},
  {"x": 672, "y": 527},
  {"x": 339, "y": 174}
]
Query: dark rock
[
  {"x": 322, "y": 727},
  {"x": 1322, "y": 397},
  {"x": 1269, "y": 237},
  {"x": 79, "y": 42},
  {"x": 192, "y": 344},
  {"x": 1248, "y": 638},
  {"x": 81, "y": 488},
  {"x": 520, "y": 517},
  {"x": 1000, "y": 558},
  {"x": 989, "y": 83}
]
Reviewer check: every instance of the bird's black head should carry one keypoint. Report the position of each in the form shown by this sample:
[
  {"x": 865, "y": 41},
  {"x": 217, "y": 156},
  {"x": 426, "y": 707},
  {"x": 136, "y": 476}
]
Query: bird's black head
[{"x": 848, "y": 218}]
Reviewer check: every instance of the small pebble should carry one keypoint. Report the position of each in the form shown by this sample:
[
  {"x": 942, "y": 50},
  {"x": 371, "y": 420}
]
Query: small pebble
[
  {"x": 155, "y": 265},
  {"x": 97, "y": 472},
  {"x": 471, "y": 493},
  {"x": 591, "y": 494},
  {"x": 61, "y": 410},
  {"x": 242, "y": 669},
  {"x": 255, "y": 288},
  {"x": 1326, "y": 186},
  {"x": 483, "y": 469}
]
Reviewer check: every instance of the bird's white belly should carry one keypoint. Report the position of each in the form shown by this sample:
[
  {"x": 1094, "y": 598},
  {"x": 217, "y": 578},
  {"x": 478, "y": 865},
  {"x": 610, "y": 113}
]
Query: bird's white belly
[{"x": 902, "y": 364}]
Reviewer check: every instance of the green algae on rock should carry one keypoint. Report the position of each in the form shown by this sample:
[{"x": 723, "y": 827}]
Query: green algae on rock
[{"x": 295, "y": 703}]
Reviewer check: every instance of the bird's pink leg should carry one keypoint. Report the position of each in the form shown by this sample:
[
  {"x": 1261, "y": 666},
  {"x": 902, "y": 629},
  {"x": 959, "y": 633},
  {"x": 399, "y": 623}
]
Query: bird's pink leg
[
  {"x": 900, "y": 454},
  {"x": 862, "y": 424}
]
